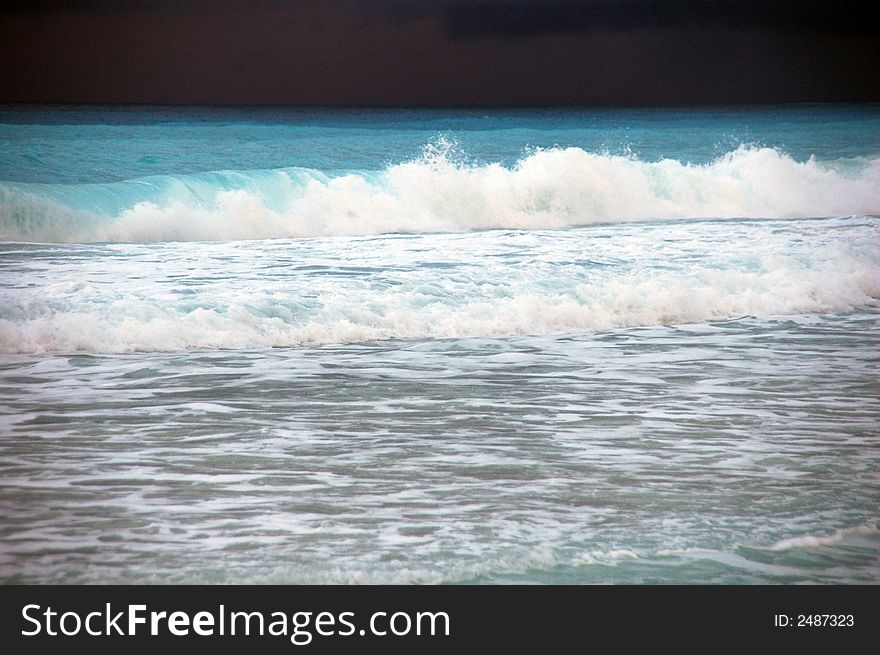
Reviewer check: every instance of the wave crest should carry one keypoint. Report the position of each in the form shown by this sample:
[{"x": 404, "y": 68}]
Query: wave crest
[{"x": 546, "y": 189}]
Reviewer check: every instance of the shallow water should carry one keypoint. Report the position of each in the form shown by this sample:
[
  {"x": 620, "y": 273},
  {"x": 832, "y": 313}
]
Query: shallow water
[
  {"x": 741, "y": 449},
  {"x": 737, "y": 451}
]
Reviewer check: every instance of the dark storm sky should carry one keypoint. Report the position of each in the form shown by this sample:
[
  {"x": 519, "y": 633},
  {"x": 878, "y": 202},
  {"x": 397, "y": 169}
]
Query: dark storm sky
[{"x": 439, "y": 52}]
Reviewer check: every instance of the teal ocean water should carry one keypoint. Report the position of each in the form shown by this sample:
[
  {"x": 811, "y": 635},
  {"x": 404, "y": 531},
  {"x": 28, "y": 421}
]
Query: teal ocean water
[{"x": 415, "y": 346}]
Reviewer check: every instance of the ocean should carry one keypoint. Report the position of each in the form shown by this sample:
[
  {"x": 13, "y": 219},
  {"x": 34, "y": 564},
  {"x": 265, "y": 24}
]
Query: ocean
[{"x": 440, "y": 346}]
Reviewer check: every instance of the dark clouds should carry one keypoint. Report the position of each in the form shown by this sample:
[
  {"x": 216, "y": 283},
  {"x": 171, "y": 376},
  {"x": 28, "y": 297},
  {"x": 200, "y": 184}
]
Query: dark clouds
[
  {"x": 518, "y": 18},
  {"x": 439, "y": 52}
]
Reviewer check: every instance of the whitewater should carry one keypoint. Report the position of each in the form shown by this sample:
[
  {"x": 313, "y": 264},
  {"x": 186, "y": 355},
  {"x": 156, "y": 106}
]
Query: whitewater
[
  {"x": 439, "y": 192},
  {"x": 413, "y": 346}
]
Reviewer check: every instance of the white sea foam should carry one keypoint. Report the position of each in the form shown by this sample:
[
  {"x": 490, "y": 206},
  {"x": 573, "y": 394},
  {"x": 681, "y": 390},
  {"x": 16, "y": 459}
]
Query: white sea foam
[
  {"x": 551, "y": 188},
  {"x": 866, "y": 531},
  {"x": 228, "y": 296}
]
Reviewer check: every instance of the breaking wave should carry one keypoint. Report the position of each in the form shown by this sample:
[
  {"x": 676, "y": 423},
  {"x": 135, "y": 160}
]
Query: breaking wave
[
  {"x": 127, "y": 298},
  {"x": 439, "y": 192}
]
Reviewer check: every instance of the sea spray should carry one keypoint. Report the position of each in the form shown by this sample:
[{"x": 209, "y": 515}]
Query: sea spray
[{"x": 440, "y": 192}]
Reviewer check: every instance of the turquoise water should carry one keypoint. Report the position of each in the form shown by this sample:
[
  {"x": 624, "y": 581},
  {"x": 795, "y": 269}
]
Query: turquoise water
[
  {"x": 76, "y": 145},
  {"x": 616, "y": 346}
]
